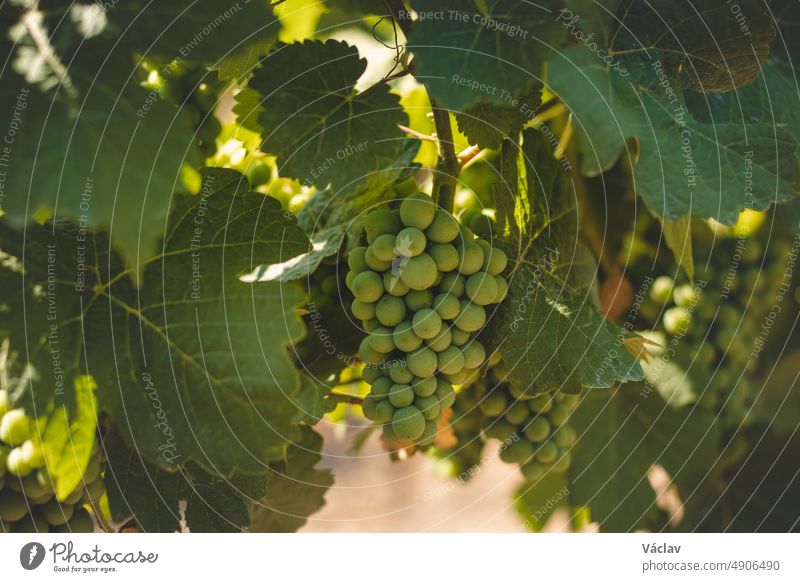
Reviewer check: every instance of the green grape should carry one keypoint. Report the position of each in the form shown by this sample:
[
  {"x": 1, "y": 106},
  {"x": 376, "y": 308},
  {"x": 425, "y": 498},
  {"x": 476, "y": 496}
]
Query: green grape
[
  {"x": 422, "y": 362},
  {"x": 547, "y": 453},
  {"x": 533, "y": 471},
  {"x": 12, "y": 506},
  {"x": 383, "y": 411},
  {"x": 380, "y": 387},
  {"x": 496, "y": 262},
  {"x": 367, "y": 287},
  {"x": 482, "y": 288},
  {"x": 56, "y": 513},
  {"x": 411, "y": 242},
  {"x": 442, "y": 341},
  {"x": 494, "y": 403},
  {"x": 519, "y": 393},
  {"x": 565, "y": 436},
  {"x": 375, "y": 263},
  {"x": 445, "y": 393},
  {"x": 368, "y": 407},
  {"x": 426, "y": 323},
  {"x": 428, "y": 434},
  {"x": 661, "y": 289},
  {"x": 419, "y": 272},
  {"x": 16, "y": 465},
  {"x": 408, "y": 423},
  {"x": 5, "y": 402},
  {"x": 388, "y": 432},
  {"x": 429, "y": 405},
  {"x": 561, "y": 464},
  {"x": 383, "y": 247},
  {"x": 559, "y": 414},
  {"x": 518, "y": 451},
  {"x": 502, "y": 289},
  {"x": 371, "y": 325},
  {"x": 401, "y": 395},
  {"x": 76, "y": 495},
  {"x": 404, "y": 337},
  {"x": 471, "y": 258},
  {"x": 445, "y": 256},
  {"x": 571, "y": 401},
  {"x": 380, "y": 222},
  {"x": 676, "y": 320},
  {"x": 368, "y": 353},
  {"x": 394, "y": 285},
  {"x": 460, "y": 377},
  {"x": 471, "y": 318},
  {"x": 450, "y": 361},
  {"x": 541, "y": 404},
  {"x": 517, "y": 413},
  {"x": 447, "y": 305},
  {"x": 81, "y": 522},
  {"x": 481, "y": 224},
  {"x": 418, "y": 210},
  {"x": 474, "y": 354},
  {"x": 684, "y": 295},
  {"x": 421, "y": 299},
  {"x": 14, "y": 427},
  {"x": 330, "y": 285},
  {"x": 538, "y": 429},
  {"x": 401, "y": 374},
  {"x": 95, "y": 490},
  {"x": 444, "y": 227},
  {"x": 460, "y": 337},
  {"x": 32, "y": 488},
  {"x": 381, "y": 340},
  {"x": 424, "y": 387},
  {"x": 390, "y": 310},
  {"x": 453, "y": 283},
  {"x": 498, "y": 428},
  {"x": 361, "y": 310},
  {"x": 370, "y": 374},
  {"x": 356, "y": 261},
  {"x": 30, "y": 524},
  {"x": 348, "y": 281}
]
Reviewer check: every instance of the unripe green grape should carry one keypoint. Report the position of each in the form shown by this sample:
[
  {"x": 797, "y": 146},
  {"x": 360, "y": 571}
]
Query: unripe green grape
[
  {"x": 371, "y": 324},
  {"x": 495, "y": 261},
  {"x": 5, "y": 402},
  {"x": 565, "y": 436},
  {"x": 408, "y": 423},
  {"x": 356, "y": 260},
  {"x": 388, "y": 432},
  {"x": 429, "y": 406},
  {"x": 533, "y": 471},
  {"x": 445, "y": 256},
  {"x": 474, "y": 354},
  {"x": 361, "y": 310},
  {"x": 426, "y": 323},
  {"x": 95, "y": 489},
  {"x": 453, "y": 283},
  {"x": 380, "y": 222},
  {"x": 558, "y": 415},
  {"x": 417, "y": 300},
  {"x": 540, "y": 404},
  {"x": 502, "y": 289},
  {"x": 684, "y": 295},
  {"x": 460, "y": 337},
  {"x": 561, "y": 464},
  {"x": 442, "y": 340},
  {"x": 30, "y": 524},
  {"x": 410, "y": 242},
  {"x": 450, "y": 361},
  {"x": 482, "y": 224},
  {"x": 55, "y": 513},
  {"x": 368, "y": 353},
  {"x": 419, "y": 272},
  {"x": 494, "y": 403},
  {"x": 471, "y": 318},
  {"x": 367, "y": 287},
  {"x": 80, "y": 522},
  {"x": 571, "y": 401},
  {"x": 16, "y": 465},
  {"x": 447, "y": 305},
  {"x": 547, "y": 453},
  {"x": 400, "y": 373},
  {"x": 381, "y": 340},
  {"x": 76, "y": 495},
  {"x": 383, "y": 411},
  {"x": 481, "y": 288},
  {"x": 438, "y": 279},
  {"x": 422, "y": 362},
  {"x": 348, "y": 280},
  {"x": 428, "y": 435},
  {"x": 471, "y": 259},
  {"x": 401, "y": 395},
  {"x": 380, "y": 387},
  {"x": 390, "y": 310},
  {"x": 12, "y": 506},
  {"x": 418, "y": 210},
  {"x": 375, "y": 263},
  {"x": 404, "y": 337},
  {"x": 517, "y": 413},
  {"x": 519, "y": 393},
  {"x": 14, "y": 427},
  {"x": 459, "y": 378},
  {"x": 445, "y": 393},
  {"x": 676, "y": 320},
  {"x": 32, "y": 488},
  {"x": 424, "y": 387},
  {"x": 517, "y": 452},
  {"x": 537, "y": 430},
  {"x": 394, "y": 285},
  {"x": 498, "y": 428},
  {"x": 661, "y": 289},
  {"x": 383, "y": 247},
  {"x": 444, "y": 227},
  {"x": 368, "y": 407}
]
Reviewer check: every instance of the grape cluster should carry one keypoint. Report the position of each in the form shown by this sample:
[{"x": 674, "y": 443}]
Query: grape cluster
[
  {"x": 27, "y": 492},
  {"x": 421, "y": 287},
  {"x": 533, "y": 429}
]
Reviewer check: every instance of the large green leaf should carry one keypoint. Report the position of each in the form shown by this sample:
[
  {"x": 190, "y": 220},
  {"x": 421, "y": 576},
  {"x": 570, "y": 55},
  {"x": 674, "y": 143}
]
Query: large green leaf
[
  {"x": 549, "y": 329},
  {"x": 622, "y": 433},
  {"x": 466, "y": 55},
  {"x": 488, "y": 124},
  {"x": 322, "y": 131},
  {"x": 192, "y": 365}
]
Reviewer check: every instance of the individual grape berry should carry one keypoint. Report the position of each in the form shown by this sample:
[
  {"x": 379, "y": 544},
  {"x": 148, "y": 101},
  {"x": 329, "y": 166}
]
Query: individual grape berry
[
  {"x": 502, "y": 289},
  {"x": 442, "y": 340},
  {"x": 424, "y": 387},
  {"x": 410, "y": 242},
  {"x": 375, "y": 263},
  {"x": 422, "y": 362},
  {"x": 559, "y": 414},
  {"x": 561, "y": 464},
  {"x": 684, "y": 295},
  {"x": 494, "y": 403},
  {"x": 496, "y": 261},
  {"x": 537, "y": 430},
  {"x": 404, "y": 337},
  {"x": 400, "y": 373},
  {"x": 444, "y": 228},
  {"x": 368, "y": 353},
  {"x": 498, "y": 428},
  {"x": 30, "y": 524},
  {"x": 445, "y": 393},
  {"x": 661, "y": 289},
  {"x": 367, "y": 287},
  {"x": 368, "y": 407},
  {"x": 447, "y": 305},
  {"x": 533, "y": 471},
  {"x": 380, "y": 222},
  {"x": 14, "y": 427},
  {"x": 471, "y": 317},
  {"x": 547, "y": 453},
  {"x": 380, "y": 387},
  {"x": 481, "y": 288},
  {"x": 419, "y": 272},
  {"x": 408, "y": 423},
  {"x": 677, "y": 320},
  {"x": 453, "y": 283},
  {"x": 80, "y": 522},
  {"x": 12, "y": 506},
  {"x": 474, "y": 354},
  {"x": 401, "y": 395},
  {"x": 541, "y": 404},
  {"x": 381, "y": 340},
  {"x": 371, "y": 325},
  {"x": 418, "y": 210},
  {"x": 565, "y": 437},
  {"x": 361, "y": 310},
  {"x": 460, "y": 337},
  {"x": 390, "y": 310},
  {"x": 517, "y": 413},
  {"x": 426, "y": 323},
  {"x": 419, "y": 299},
  {"x": 384, "y": 247},
  {"x": 429, "y": 406},
  {"x": 450, "y": 361},
  {"x": 394, "y": 285},
  {"x": 56, "y": 513},
  {"x": 519, "y": 451},
  {"x": 383, "y": 411},
  {"x": 471, "y": 259},
  {"x": 445, "y": 256},
  {"x": 428, "y": 435}
]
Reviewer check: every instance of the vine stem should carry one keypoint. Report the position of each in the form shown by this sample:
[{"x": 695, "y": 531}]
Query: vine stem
[{"x": 449, "y": 166}]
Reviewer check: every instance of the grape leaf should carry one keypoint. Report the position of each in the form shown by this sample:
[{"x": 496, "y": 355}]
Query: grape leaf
[
  {"x": 685, "y": 165},
  {"x": 487, "y": 124},
  {"x": 154, "y": 497},
  {"x": 320, "y": 129},
  {"x": 622, "y": 433},
  {"x": 199, "y": 352},
  {"x": 295, "y": 488},
  {"x": 324, "y": 243},
  {"x": 536, "y": 502},
  {"x": 550, "y": 301},
  {"x": 467, "y": 56}
]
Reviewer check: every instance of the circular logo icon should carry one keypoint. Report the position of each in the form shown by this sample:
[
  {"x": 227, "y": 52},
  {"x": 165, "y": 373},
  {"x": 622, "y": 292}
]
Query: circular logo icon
[{"x": 31, "y": 555}]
